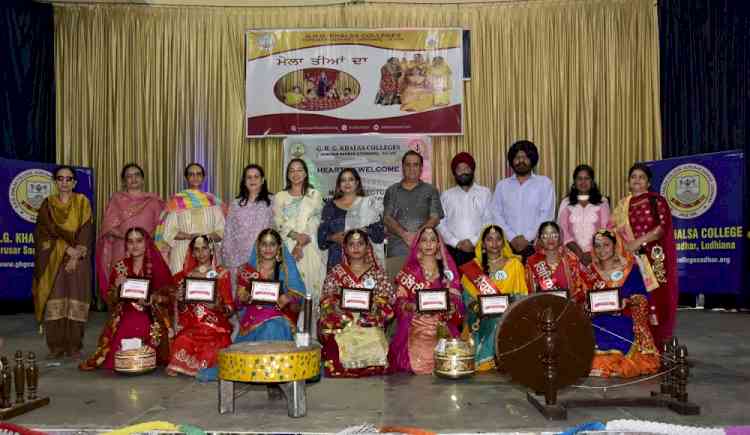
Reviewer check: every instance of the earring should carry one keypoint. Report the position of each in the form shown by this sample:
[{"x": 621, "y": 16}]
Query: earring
[{"x": 278, "y": 257}]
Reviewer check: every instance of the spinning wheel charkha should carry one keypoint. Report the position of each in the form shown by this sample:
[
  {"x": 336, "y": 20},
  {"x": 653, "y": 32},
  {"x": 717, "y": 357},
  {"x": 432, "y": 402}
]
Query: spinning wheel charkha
[
  {"x": 520, "y": 329},
  {"x": 279, "y": 362}
]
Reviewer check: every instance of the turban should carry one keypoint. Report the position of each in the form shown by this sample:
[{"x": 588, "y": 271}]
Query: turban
[{"x": 463, "y": 158}]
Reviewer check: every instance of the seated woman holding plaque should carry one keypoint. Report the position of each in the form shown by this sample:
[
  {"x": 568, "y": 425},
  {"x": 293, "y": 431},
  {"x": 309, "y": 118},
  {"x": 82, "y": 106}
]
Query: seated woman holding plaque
[
  {"x": 204, "y": 306},
  {"x": 141, "y": 300},
  {"x": 495, "y": 271},
  {"x": 555, "y": 268},
  {"x": 355, "y": 305},
  {"x": 270, "y": 290},
  {"x": 624, "y": 343},
  {"x": 428, "y": 305}
]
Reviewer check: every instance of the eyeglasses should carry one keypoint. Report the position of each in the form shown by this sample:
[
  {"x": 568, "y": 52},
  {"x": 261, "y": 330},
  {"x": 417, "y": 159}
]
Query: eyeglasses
[{"x": 64, "y": 178}]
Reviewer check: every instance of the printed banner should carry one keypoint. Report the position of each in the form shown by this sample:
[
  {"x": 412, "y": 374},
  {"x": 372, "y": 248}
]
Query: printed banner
[
  {"x": 24, "y": 186},
  {"x": 376, "y": 158},
  {"x": 353, "y": 81},
  {"x": 705, "y": 193}
]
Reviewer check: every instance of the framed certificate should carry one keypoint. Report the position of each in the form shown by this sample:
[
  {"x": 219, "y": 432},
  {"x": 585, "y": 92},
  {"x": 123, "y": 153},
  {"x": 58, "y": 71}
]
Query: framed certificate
[
  {"x": 264, "y": 292},
  {"x": 356, "y": 299},
  {"x": 604, "y": 301},
  {"x": 493, "y": 304},
  {"x": 135, "y": 288},
  {"x": 200, "y": 290},
  {"x": 562, "y": 292},
  {"x": 432, "y": 300}
]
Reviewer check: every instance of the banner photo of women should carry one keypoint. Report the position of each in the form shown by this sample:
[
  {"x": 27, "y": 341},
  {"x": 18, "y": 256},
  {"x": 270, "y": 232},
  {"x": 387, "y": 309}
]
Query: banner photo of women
[
  {"x": 354, "y": 81},
  {"x": 376, "y": 157}
]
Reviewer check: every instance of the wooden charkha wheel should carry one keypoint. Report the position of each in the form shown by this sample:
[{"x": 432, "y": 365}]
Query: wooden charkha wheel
[{"x": 545, "y": 343}]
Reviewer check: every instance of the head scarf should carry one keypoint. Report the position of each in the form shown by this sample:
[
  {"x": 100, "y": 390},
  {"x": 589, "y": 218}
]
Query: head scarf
[
  {"x": 450, "y": 271},
  {"x": 507, "y": 251},
  {"x": 191, "y": 263},
  {"x": 154, "y": 265},
  {"x": 370, "y": 255},
  {"x": 288, "y": 273},
  {"x": 463, "y": 158}
]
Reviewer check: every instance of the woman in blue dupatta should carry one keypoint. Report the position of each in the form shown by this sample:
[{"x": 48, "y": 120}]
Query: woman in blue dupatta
[
  {"x": 624, "y": 343},
  {"x": 269, "y": 261}
]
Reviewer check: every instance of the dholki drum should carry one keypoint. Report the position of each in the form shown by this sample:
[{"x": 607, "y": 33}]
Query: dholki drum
[{"x": 278, "y": 362}]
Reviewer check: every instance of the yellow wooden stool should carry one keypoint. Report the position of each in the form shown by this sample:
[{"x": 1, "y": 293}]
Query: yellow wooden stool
[{"x": 276, "y": 362}]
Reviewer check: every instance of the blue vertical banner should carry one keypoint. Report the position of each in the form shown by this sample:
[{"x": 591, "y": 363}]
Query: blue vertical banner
[
  {"x": 23, "y": 187},
  {"x": 706, "y": 193}
]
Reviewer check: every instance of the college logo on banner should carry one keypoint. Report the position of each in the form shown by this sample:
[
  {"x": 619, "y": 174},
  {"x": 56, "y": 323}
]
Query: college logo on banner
[
  {"x": 28, "y": 190},
  {"x": 690, "y": 189}
]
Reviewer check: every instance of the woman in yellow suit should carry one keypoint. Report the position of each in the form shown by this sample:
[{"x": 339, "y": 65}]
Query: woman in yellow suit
[{"x": 494, "y": 271}]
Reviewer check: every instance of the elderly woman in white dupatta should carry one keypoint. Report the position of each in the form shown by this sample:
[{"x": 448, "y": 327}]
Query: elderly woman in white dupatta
[{"x": 349, "y": 210}]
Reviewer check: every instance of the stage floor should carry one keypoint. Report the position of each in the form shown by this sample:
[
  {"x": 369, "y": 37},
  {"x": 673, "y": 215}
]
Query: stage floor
[{"x": 719, "y": 345}]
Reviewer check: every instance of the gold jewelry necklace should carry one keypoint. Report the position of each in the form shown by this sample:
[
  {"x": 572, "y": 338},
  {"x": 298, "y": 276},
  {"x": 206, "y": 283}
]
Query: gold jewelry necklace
[{"x": 202, "y": 268}]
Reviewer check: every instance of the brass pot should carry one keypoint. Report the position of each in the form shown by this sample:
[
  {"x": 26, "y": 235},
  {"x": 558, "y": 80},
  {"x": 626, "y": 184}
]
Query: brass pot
[
  {"x": 135, "y": 361},
  {"x": 456, "y": 361}
]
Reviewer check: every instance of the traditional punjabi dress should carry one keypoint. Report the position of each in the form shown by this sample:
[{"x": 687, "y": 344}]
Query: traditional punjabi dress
[
  {"x": 439, "y": 77},
  {"x": 190, "y": 211},
  {"x": 569, "y": 274},
  {"x": 510, "y": 280},
  {"x": 388, "y": 90},
  {"x": 301, "y": 214},
  {"x": 260, "y": 322},
  {"x": 633, "y": 217},
  {"x": 124, "y": 211},
  {"x": 412, "y": 347},
  {"x": 62, "y": 298},
  {"x": 354, "y": 343},
  {"x": 624, "y": 344},
  {"x": 416, "y": 95},
  {"x": 152, "y": 323},
  {"x": 204, "y": 327}
]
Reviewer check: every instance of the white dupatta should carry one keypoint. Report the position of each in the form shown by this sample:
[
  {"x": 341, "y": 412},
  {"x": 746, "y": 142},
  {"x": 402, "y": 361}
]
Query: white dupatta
[{"x": 366, "y": 210}]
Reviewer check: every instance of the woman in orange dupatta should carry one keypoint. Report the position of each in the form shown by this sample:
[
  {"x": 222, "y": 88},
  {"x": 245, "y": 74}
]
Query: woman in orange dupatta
[
  {"x": 204, "y": 326},
  {"x": 151, "y": 321},
  {"x": 624, "y": 344}
]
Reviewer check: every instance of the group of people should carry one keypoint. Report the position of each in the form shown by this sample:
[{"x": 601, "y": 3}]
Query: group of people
[
  {"x": 416, "y": 84},
  {"x": 468, "y": 241}
]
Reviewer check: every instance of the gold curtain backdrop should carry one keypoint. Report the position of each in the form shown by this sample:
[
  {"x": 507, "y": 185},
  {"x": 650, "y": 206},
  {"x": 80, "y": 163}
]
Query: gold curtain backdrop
[{"x": 163, "y": 86}]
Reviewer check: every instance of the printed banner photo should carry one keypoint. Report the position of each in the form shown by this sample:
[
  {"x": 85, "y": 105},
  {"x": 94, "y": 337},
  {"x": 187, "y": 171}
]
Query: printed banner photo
[
  {"x": 24, "y": 185},
  {"x": 377, "y": 159},
  {"x": 705, "y": 193},
  {"x": 353, "y": 81}
]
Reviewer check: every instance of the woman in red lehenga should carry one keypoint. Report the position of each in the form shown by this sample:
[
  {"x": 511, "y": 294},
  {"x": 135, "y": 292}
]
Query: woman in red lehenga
[
  {"x": 150, "y": 321},
  {"x": 644, "y": 223},
  {"x": 354, "y": 343},
  {"x": 554, "y": 267},
  {"x": 204, "y": 326}
]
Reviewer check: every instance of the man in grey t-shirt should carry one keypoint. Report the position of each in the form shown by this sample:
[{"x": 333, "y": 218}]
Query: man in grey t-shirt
[{"x": 408, "y": 206}]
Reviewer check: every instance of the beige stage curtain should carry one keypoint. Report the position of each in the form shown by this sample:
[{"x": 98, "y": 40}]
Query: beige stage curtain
[{"x": 163, "y": 86}]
